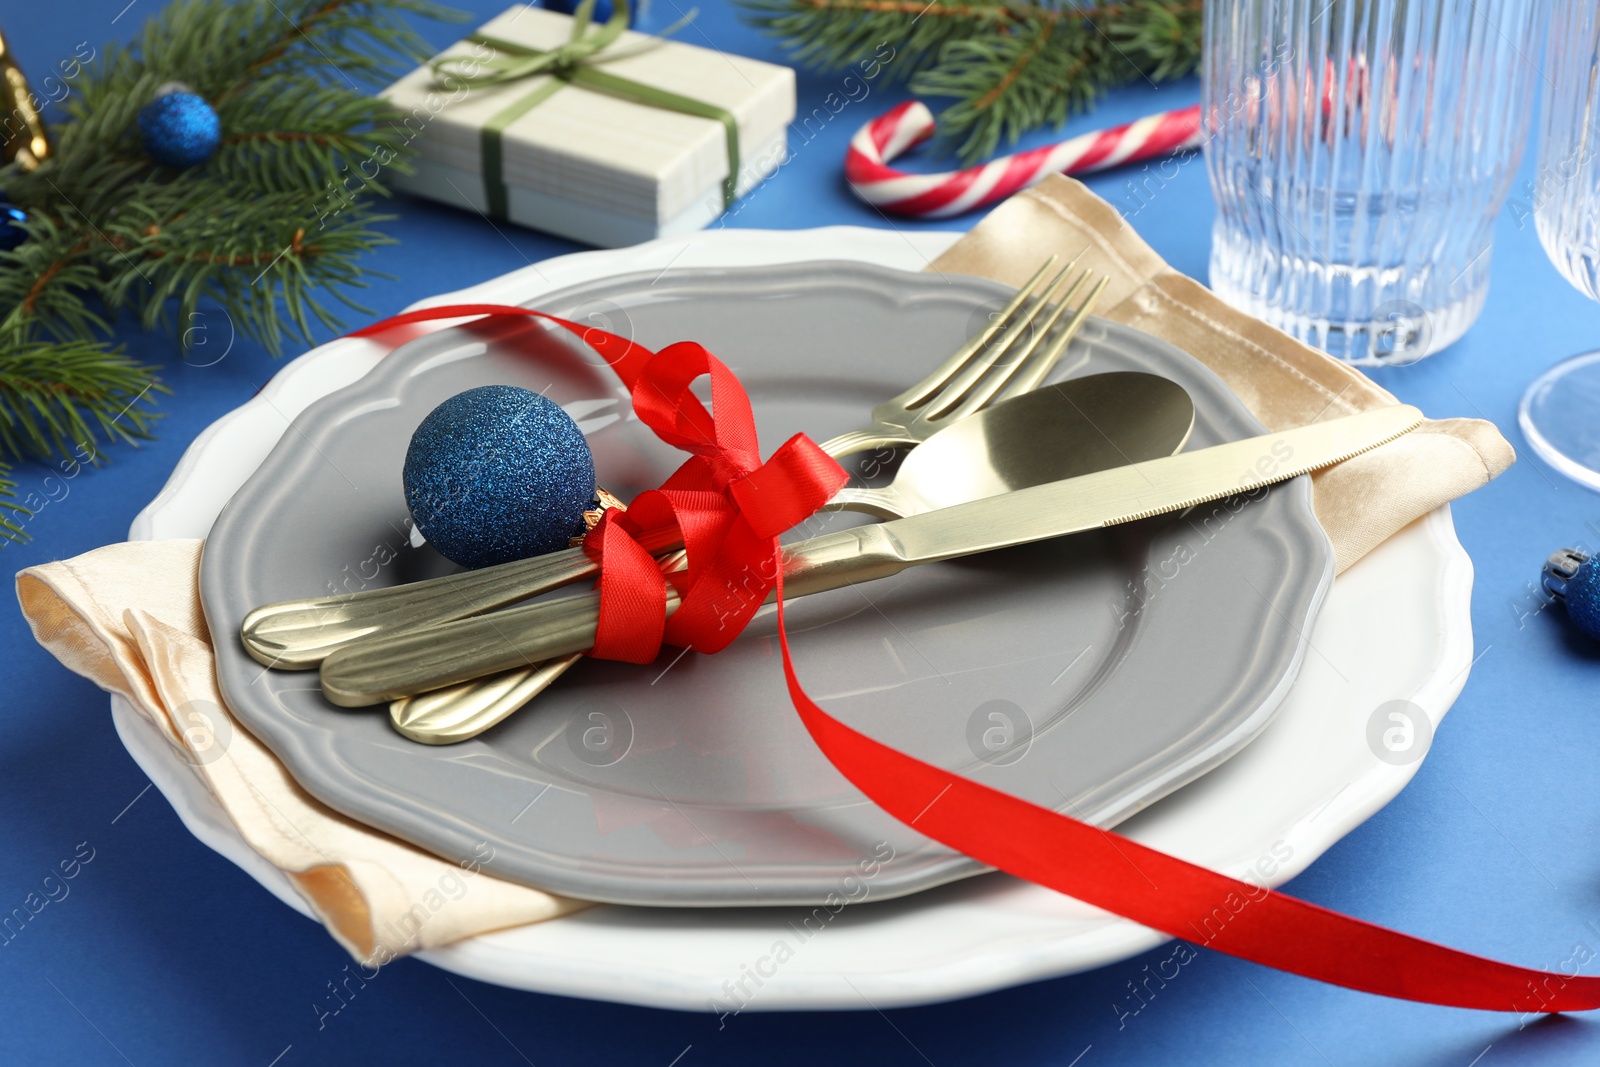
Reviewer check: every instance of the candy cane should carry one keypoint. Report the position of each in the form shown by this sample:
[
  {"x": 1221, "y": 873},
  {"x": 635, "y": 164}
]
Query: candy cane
[{"x": 866, "y": 165}]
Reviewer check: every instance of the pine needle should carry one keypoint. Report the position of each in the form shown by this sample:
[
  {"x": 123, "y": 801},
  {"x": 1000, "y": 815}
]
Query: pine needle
[
  {"x": 270, "y": 230},
  {"x": 1008, "y": 67}
]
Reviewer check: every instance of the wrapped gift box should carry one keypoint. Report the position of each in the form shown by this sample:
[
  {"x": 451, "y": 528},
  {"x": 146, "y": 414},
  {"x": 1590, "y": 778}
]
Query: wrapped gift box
[{"x": 589, "y": 165}]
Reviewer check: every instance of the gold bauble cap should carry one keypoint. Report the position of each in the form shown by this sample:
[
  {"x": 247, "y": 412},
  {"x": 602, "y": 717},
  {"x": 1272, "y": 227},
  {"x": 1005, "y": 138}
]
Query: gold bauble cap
[{"x": 26, "y": 142}]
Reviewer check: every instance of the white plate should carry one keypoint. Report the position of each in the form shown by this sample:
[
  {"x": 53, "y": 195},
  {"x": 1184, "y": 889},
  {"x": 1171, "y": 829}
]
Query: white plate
[{"x": 1395, "y": 627}]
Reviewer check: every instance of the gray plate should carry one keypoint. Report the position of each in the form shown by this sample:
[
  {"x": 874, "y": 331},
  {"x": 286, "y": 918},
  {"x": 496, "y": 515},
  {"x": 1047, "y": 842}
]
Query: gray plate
[{"x": 1092, "y": 675}]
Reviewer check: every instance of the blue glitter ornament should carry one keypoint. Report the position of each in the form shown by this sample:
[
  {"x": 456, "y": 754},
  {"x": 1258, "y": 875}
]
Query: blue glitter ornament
[
  {"x": 1573, "y": 578},
  {"x": 178, "y": 127},
  {"x": 496, "y": 474},
  {"x": 11, "y": 219},
  {"x": 603, "y": 9}
]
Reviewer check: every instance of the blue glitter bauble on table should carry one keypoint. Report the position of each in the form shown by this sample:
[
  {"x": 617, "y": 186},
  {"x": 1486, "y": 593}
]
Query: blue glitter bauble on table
[
  {"x": 1572, "y": 578},
  {"x": 603, "y": 9},
  {"x": 178, "y": 127},
  {"x": 496, "y": 474}
]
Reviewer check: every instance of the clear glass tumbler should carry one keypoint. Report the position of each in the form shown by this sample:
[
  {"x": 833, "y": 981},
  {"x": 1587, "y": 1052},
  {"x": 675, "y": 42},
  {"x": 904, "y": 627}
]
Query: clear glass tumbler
[{"x": 1358, "y": 151}]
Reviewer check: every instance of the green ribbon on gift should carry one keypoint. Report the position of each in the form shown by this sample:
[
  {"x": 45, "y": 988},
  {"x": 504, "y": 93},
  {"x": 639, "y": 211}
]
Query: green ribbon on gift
[{"x": 572, "y": 64}]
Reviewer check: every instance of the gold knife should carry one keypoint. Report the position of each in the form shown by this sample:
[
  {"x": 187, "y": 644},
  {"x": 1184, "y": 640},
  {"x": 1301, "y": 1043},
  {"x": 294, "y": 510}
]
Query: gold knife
[{"x": 377, "y": 670}]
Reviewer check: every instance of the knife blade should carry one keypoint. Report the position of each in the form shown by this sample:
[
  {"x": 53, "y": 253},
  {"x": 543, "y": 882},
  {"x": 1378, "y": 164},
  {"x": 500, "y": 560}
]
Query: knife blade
[{"x": 377, "y": 670}]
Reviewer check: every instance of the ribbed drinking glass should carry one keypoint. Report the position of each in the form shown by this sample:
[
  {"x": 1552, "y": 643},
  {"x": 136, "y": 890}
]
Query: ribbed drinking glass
[{"x": 1358, "y": 151}]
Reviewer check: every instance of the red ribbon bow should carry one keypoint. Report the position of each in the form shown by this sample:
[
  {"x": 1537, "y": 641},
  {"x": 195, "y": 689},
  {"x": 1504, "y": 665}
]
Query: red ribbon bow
[
  {"x": 728, "y": 507},
  {"x": 731, "y": 508}
]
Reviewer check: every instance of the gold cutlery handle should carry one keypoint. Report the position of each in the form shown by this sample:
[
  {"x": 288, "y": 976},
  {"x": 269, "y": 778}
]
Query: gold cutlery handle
[
  {"x": 460, "y": 712},
  {"x": 300, "y": 634},
  {"x": 378, "y": 669}
]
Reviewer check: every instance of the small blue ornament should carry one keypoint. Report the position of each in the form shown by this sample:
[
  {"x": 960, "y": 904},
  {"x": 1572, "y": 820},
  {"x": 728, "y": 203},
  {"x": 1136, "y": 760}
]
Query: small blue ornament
[
  {"x": 603, "y": 9},
  {"x": 178, "y": 127},
  {"x": 12, "y": 218},
  {"x": 1573, "y": 578},
  {"x": 496, "y": 474}
]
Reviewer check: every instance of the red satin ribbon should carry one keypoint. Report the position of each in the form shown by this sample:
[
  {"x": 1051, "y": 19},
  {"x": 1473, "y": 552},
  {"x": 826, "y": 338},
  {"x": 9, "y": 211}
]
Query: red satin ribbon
[
  {"x": 733, "y": 507},
  {"x": 728, "y": 507}
]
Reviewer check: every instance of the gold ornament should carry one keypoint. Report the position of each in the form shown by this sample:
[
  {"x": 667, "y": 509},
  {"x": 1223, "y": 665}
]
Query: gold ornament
[
  {"x": 591, "y": 518},
  {"x": 25, "y": 141}
]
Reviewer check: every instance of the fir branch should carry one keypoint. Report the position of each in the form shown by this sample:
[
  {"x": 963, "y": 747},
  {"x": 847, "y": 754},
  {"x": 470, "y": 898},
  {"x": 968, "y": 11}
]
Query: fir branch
[
  {"x": 57, "y": 399},
  {"x": 263, "y": 262},
  {"x": 298, "y": 137},
  {"x": 1007, "y": 85},
  {"x": 1009, "y": 67},
  {"x": 833, "y": 34},
  {"x": 270, "y": 229},
  {"x": 10, "y": 510},
  {"x": 43, "y": 280},
  {"x": 219, "y": 49},
  {"x": 1162, "y": 40}
]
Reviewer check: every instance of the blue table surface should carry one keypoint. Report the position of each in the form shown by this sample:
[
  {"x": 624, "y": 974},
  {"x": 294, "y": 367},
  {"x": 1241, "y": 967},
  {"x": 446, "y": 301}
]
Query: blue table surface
[{"x": 165, "y": 953}]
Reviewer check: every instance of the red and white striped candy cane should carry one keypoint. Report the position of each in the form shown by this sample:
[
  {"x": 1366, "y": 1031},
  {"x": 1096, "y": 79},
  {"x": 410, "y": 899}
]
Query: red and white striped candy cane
[{"x": 866, "y": 165}]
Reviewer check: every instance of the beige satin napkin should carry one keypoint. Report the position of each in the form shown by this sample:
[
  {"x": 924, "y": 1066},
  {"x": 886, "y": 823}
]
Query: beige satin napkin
[
  {"x": 1360, "y": 502},
  {"x": 128, "y": 616}
]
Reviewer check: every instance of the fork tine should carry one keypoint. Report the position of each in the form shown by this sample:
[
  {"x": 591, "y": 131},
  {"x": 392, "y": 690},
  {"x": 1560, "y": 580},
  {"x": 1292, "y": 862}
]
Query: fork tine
[
  {"x": 1042, "y": 364},
  {"x": 994, "y": 382},
  {"x": 1018, "y": 328},
  {"x": 950, "y": 367}
]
